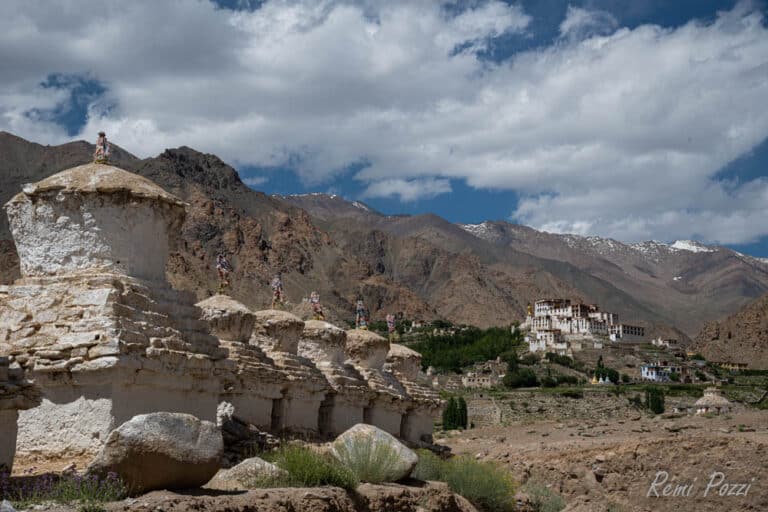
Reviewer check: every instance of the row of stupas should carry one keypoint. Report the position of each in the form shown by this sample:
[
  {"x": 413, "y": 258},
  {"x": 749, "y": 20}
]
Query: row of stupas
[{"x": 104, "y": 336}]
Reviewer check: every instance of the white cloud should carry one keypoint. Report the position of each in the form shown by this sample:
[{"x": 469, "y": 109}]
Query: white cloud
[
  {"x": 582, "y": 23},
  {"x": 607, "y": 131},
  {"x": 255, "y": 181},
  {"x": 408, "y": 190}
]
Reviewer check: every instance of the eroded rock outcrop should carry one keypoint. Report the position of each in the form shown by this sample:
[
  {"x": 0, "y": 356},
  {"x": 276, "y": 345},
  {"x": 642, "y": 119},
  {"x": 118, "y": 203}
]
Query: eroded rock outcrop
[
  {"x": 92, "y": 318},
  {"x": 367, "y": 351}
]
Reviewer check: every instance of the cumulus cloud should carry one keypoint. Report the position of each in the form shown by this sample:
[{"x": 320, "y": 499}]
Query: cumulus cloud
[
  {"x": 408, "y": 190},
  {"x": 255, "y": 181},
  {"x": 611, "y": 131},
  {"x": 581, "y": 23}
]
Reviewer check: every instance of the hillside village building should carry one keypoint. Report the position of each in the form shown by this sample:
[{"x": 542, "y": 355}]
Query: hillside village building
[
  {"x": 485, "y": 375},
  {"x": 662, "y": 372},
  {"x": 558, "y": 325}
]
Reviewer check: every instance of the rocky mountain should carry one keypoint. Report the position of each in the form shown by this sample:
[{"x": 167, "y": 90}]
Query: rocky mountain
[
  {"x": 262, "y": 235},
  {"x": 692, "y": 282},
  {"x": 421, "y": 265},
  {"x": 739, "y": 338},
  {"x": 684, "y": 284}
]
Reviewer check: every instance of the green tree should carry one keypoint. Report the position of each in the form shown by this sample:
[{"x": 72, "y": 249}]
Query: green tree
[
  {"x": 654, "y": 400},
  {"x": 461, "y": 404},
  {"x": 452, "y": 352},
  {"x": 521, "y": 378},
  {"x": 451, "y": 415}
]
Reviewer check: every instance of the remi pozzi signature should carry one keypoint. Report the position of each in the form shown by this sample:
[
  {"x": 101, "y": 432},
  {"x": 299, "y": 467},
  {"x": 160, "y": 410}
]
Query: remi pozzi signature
[{"x": 716, "y": 485}]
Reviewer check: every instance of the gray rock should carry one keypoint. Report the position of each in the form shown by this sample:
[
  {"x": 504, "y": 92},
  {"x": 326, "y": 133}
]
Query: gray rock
[
  {"x": 5, "y": 506},
  {"x": 366, "y": 439},
  {"x": 244, "y": 475},
  {"x": 161, "y": 450}
]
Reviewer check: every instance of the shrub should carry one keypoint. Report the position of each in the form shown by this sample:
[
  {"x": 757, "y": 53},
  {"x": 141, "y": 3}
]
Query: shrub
[
  {"x": 451, "y": 414},
  {"x": 572, "y": 393},
  {"x": 625, "y": 378},
  {"x": 561, "y": 360},
  {"x": 530, "y": 359},
  {"x": 549, "y": 382},
  {"x": 455, "y": 414},
  {"x": 306, "y": 468},
  {"x": 543, "y": 498},
  {"x": 654, "y": 400},
  {"x": 452, "y": 352},
  {"x": 486, "y": 485},
  {"x": 429, "y": 467},
  {"x": 607, "y": 373},
  {"x": 86, "y": 490},
  {"x": 483, "y": 483},
  {"x": 521, "y": 378},
  {"x": 462, "y": 406},
  {"x": 369, "y": 462}
]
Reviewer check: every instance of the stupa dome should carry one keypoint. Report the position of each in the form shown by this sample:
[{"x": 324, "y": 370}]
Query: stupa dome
[{"x": 94, "y": 218}]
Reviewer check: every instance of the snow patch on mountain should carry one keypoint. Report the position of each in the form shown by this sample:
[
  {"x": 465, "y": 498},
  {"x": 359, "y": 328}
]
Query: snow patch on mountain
[
  {"x": 481, "y": 230},
  {"x": 358, "y": 204},
  {"x": 691, "y": 246}
]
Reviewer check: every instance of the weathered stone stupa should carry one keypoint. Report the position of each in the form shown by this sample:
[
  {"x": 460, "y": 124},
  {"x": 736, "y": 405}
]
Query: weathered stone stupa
[
  {"x": 95, "y": 323},
  {"x": 16, "y": 393},
  {"x": 257, "y": 386},
  {"x": 278, "y": 333},
  {"x": 419, "y": 419},
  {"x": 349, "y": 394},
  {"x": 367, "y": 351},
  {"x": 92, "y": 318}
]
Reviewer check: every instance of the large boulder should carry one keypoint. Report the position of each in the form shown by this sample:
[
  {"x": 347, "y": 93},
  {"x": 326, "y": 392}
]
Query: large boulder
[
  {"x": 245, "y": 475},
  {"x": 161, "y": 450},
  {"x": 365, "y": 440}
]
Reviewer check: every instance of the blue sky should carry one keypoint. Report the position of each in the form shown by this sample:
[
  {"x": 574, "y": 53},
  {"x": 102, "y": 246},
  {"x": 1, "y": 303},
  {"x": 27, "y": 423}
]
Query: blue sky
[{"x": 629, "y": 119}]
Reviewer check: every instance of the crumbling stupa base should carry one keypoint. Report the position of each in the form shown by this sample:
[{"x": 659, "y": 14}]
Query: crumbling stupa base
[{"x": 75, "y": 420}]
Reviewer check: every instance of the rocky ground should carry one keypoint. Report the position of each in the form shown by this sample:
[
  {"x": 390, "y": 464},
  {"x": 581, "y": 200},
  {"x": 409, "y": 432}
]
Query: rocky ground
[
  {"x": 610, "y": 463},
  {"x": 430, "y": 497}
]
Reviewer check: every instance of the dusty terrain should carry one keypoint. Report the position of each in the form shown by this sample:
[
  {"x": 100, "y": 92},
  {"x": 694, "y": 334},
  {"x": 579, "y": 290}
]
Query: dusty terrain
[
  {"x": 610, "y": 463},
  {"x": 429, "y": 497}
]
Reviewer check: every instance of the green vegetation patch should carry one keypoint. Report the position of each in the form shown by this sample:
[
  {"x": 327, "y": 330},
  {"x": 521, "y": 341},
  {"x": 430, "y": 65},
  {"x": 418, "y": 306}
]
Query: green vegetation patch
[
  {"x": 467, "y": 346},
  {"x": 542, "y": 498},
  {"x": 488, "y": 486},
  {"x": 86, "y": 491},
  {"x": 368, "y": 462},
  {"x": 305, "y": 468}
]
